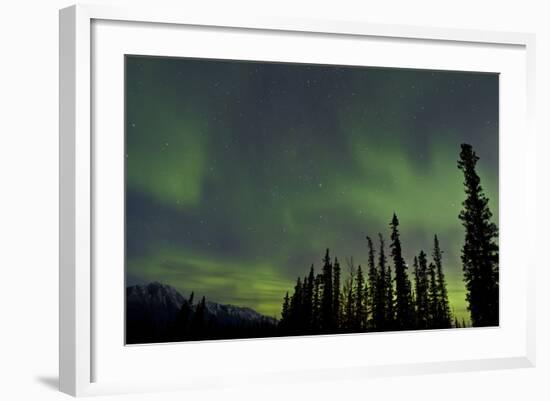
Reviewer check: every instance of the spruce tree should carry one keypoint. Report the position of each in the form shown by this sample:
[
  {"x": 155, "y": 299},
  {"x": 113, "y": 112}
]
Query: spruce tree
[
  {"x": 349, "y": 301},
  {"x": 285, "y": 312},
  {"x": 305, "y": 311},
  {"x": 381, "y": 292},
  {"x": 415, "y": 293},
  {"x": 316, "y": 318},
  {"x": 372, "y": 282},
  {"x": 444, "y": 318},
  {"x": 360, "y": 312},
  {"x": 327, "y": 300},
  {"x": 480, "y": 250},
  {"x": 416, "y": 281},
  {"x": 404, "y": 311},
  {"x": 337, "y": 296},
  {"x": 389, "y": 302},
  {"x": 296, "y": 318},
  {"x": 309, "y": 300},
  {"x": 433, "y": 301},
  {"x": 421, "y": 290}
]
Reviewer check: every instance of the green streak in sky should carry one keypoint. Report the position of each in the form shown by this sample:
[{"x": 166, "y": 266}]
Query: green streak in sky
[
  {"x": 237, "y": 283},
  {"x": 173, "y": 171}
]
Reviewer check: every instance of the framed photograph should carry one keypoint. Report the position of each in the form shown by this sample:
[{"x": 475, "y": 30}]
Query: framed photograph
[{"x": 278, "y": 199}]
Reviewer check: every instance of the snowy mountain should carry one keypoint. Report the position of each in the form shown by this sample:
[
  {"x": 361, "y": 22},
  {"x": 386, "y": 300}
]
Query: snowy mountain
[
  {"x": 155, "y": 296},
  {"x": 235, "y": 314},
  {"x": 152, "y": 313}
]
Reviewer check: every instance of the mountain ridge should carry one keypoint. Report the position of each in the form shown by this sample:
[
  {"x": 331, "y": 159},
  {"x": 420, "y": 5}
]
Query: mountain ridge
[{"x": 153, "y": 315}]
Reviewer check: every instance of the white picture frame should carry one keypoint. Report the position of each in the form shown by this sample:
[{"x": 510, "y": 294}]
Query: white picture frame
[{"x": 79, "y": 344}]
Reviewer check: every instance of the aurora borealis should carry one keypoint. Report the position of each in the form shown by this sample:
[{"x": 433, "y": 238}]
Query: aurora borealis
[{"x": 240, "y": 174}]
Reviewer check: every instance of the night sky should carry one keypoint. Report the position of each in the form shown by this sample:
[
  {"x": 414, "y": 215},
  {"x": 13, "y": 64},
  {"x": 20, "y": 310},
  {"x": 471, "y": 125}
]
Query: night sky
[{"x": 240, "y": 174}]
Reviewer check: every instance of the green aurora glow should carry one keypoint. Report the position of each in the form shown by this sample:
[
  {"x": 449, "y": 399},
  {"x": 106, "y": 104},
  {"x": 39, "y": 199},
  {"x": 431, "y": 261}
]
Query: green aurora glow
[{"x": 240, "y": 174}]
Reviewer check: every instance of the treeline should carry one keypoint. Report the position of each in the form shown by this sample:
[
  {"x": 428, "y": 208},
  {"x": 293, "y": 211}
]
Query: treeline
[
  {"x": 154, "y": 323},
  {"x": 195, "y": 322},
  {"x": 381, "y": 297}
]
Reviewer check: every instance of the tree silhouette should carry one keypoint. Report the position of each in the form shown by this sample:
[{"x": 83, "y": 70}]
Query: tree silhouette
[
  {"x": 309, "y": 289},
  {"x": 336, "y": 294},
  {"x": 360, "y": 310},
  {"x": 480, "y": 249},
  {"x": 444, "y": 318},
  {"x": 433, "y": 301},
  {"x": 380, "y": 312},
  {"x": 404, "y": 311},
  {"x": 316, "y": 314},
  {"x": 296, "y": 316},
  {"x": 285, "y": 313},
  {"x": 348, "y": 323},
  {"x": 421, "y": 284},
  {"x": 303, "y": 314},
  {"x": 372, "y": 282},
  {"x": 327, "y": 300},
  {"x": 416, "y": 277},
  {"x": 389, "y": 302}
]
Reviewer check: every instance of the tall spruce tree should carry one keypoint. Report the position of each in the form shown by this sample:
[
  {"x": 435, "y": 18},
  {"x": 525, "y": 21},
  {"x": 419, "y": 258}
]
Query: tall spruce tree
[
  {"x": 380, "y": 305},
  {"x": 360, "y": 311},
  {"x": 416, "y": 277},
  {"x": 444, "y": 318},
  {"x": 389, "y": 302},
  {"x": 295, "y": 316},
  {"x": 480, "y": 250},
  {"x": 336, "y": 307},
  {"x": 349, "y": 299},
  {"x": 283, "y": 323},
  {"x": 414, "y": 291},
  {"x": 306, "y": 307},
  {"x": 327, "y": 300},
  {"x": 316, "y": 314},
  {"x": 421, "y": 264},
  {"x": 372, "y": 283},
  {"x": 433, "y": 301},
  {"x": 404, "y": 310},
  {"x": 309, "y": 300}
]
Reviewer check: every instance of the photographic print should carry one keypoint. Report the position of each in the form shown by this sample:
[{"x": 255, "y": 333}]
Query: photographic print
[{"x": 269, "y": 199}]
